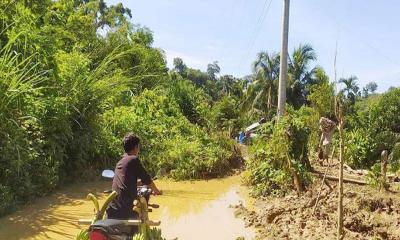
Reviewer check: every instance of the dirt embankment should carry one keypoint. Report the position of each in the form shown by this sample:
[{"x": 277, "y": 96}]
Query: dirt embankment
[{"x": 369, "y": 214}]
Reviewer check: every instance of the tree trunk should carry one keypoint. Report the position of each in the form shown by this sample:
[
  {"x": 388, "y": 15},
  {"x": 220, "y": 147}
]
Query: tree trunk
[
  {"x": 269, "y": 98},
  {"x": 296, "y": 178},
  {"x": 297, "y": 181},
  {"x": 384, "y": 158}
]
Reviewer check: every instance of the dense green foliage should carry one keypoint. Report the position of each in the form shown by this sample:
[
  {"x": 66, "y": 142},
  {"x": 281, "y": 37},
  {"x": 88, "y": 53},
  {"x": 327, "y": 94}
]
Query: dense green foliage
[
  {"x": 261, "y": 97},
  {"x": 322, "y": 96},
  {"x": 279, "y": 153},
  {"x": 76, "y": 75},
  {"x": 169, "y": 140},
  {"x": 371, "y": 120},
  {"x": 372, "y": 129},
  {"x": 224, "y": 96},
  {"x": 280, "y": 156}
]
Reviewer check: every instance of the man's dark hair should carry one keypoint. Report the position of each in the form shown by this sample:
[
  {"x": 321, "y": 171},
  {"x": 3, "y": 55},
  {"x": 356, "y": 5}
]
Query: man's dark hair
[{"x": 130, "y": 141}]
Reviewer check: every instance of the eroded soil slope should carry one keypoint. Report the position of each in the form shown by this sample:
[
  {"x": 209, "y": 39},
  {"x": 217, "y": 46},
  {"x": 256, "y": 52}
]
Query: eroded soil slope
[{"x": 369, "y": 214}]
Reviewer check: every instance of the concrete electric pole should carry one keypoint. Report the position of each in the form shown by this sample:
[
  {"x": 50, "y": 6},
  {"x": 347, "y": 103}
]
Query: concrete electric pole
[{"x": 283, "y": 63}]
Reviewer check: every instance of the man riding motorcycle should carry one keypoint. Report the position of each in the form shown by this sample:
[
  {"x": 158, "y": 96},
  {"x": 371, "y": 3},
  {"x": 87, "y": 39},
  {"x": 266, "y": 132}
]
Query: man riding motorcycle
[{"x": 127, "y": 172}]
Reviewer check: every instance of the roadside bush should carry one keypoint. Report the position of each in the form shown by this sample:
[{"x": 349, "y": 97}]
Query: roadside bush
[
  {"x": 26, "y": 170},
  {"x": 203, "y": 157},
  {"x": 373, "y": 130},
  {"x": 86, "y": 92},
  {"x": 374, "y": 175},
  {"x": 169, "y": 140},
  {"x": 276, "y": 156},
  {"x": 225, "y": 115},
  {"x": 322, "y": 98},
  {"x": 191, "y": 100},
  {"x": 359, "y": 148},
  {"x": 394, "y": 158},
  {"x": 75, "y": 76},
  {"x": 7, "y": 199},
  {"x": 385, "y": 115}
]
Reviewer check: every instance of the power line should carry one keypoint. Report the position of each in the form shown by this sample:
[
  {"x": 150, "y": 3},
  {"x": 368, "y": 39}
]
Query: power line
[
  {"x": 260, "y": 26},
  {"x": 361, "y": 39},
  {"x": 235, "y": 16},
  {"x": 257, "y": 28}
]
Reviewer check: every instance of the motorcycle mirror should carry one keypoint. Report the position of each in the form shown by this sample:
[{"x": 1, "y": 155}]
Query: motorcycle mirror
[{"x": 107, "y": 173}]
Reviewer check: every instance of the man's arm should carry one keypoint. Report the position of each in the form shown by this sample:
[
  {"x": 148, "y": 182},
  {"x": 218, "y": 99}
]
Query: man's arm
[{"x": 146, "y": 179}]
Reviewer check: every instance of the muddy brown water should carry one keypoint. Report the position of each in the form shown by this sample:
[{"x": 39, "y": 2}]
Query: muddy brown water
[{"x": 188, "y": 210}]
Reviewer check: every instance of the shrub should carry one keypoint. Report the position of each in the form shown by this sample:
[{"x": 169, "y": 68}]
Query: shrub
[
  {"x": 23, "y": 173},
  {"x": 275, "y": 156},
  {"x": 225, "y": 115},
  {"x": 385, "y": 115},
  {"x": 394, "y": 158},
  {"x": 371, "y": 131},
  {"x": 359, "y": 148},
  {"x": 191, "y": 100},
  {"x": 169, "y": 140},
  {"x": 322, "y": 98},
  {"x": 374, "y": 175}
]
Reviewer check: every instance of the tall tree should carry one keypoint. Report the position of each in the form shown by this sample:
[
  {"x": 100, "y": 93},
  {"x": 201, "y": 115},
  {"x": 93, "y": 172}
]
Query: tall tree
[
  {"x": 213, "y": 69},
  {"x": 261, "y": 94},
  {"x": 226, "y": 83},
  {"x": 370, "y": 88},
  {"x": 179, "y": 65},
  {"x": 300, "y": 74},
  {"x": 351, "y": 89},
  {"x": 322, "y": 94}
]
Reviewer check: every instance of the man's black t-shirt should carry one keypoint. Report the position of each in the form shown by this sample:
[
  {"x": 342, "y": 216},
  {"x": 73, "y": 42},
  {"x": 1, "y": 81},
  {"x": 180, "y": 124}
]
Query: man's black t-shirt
[{"x": 127, "y": 171}]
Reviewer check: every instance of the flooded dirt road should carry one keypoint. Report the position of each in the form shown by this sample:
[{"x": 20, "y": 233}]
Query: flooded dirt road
[{"x": 188, "y": 210}]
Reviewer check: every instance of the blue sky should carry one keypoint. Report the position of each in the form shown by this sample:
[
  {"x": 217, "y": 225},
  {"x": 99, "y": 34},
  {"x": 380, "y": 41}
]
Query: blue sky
[{"x": 233, "y": 31}]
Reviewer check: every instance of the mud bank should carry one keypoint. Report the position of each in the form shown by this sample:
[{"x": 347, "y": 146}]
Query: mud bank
[{"x": 369, "y": 214}]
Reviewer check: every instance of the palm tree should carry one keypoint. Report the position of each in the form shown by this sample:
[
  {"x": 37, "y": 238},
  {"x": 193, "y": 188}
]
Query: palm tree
[
  {"x": 263, "y": 89},
  {"x": 300, "y": 76},
  {"x": 351, "y": 88}
]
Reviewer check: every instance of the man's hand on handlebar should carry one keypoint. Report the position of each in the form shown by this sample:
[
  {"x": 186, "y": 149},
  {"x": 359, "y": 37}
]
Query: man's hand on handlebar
[
  {"x": 157, "y": 192},
  {"x": 154, "y": 188}
]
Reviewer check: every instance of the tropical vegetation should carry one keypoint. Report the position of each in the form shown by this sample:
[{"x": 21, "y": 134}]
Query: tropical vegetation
[{"x": 76, "y": 75}]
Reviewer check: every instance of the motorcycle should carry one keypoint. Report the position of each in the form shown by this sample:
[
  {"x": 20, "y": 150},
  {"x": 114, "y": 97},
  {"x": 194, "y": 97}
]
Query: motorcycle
[{"x": 102, "y": 228}]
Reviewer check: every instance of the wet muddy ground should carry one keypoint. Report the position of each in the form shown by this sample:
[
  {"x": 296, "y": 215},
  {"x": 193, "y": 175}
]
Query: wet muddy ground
[
  {"x": 188, "y": 210},
  {"x": 368, "y": 214}
]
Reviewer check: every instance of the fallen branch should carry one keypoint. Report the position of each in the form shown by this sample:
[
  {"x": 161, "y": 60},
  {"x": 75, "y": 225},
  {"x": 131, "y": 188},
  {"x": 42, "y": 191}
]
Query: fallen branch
[
  {"x": 333, "y": 178},
  {"x": 353, "y": 171}
]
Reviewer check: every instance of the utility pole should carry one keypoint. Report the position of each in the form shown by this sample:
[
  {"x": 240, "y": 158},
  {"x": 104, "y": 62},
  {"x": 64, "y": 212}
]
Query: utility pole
[{"x": 283, "y": 62}]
